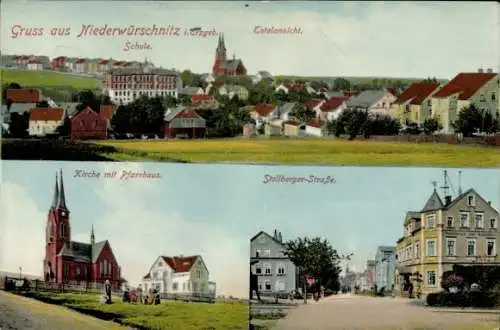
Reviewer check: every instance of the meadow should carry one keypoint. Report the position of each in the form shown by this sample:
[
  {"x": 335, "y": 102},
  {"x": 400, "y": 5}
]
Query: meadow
[
  {"x": 167, "y": 315},
  {"x": 258, "y": 151},
  {"x": 48, "y": 79}
]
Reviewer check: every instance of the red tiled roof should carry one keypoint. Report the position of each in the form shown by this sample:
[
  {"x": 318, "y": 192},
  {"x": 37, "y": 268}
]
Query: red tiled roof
[
  {"x": 81, "y": 60},
  {"x": 393, "y": 91},
  {"x": 180, "y": 264},
  {"x": 104, "y": 62},
  {"x": 25, "y": 95},
  {"x": 59, "y": 58},
  {"x": 333, "y": 103},
  {"x": 263, "y": 109},
  {"x": 294, "y": 86},
  {"x": 45, "y": 114},
  {"x": 119, "y": 63},
  {"x": 465, "y": 84},
  {"x": 316, "y": 123},
  {"x": 187, "y": 114},
  {"x": 417, "y": 92},
  {"x": 107, "y": 111},
  {"x": 310, "y": 104},
  {"x": 25, "y": 57},
  {"x": 202, "y": 98}
]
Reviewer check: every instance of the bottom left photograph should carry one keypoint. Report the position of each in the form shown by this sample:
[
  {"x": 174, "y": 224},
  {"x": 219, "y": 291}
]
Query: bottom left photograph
[{"x": 113, "y": 246}]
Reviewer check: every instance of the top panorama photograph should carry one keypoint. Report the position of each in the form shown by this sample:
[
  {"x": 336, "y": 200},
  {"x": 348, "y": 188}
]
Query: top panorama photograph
[{"x": 319, "y": 83}]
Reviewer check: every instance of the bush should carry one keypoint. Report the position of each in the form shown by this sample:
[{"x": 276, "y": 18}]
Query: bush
[{"x": 463, "y": 299}]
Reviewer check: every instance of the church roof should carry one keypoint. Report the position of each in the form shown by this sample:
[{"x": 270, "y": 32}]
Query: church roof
[
  {"x": 230, "y": 64},
  {"x": 83, "y": 251},
  {"x": 59, "y": 199},
  {"x": 433, "y": 203}
]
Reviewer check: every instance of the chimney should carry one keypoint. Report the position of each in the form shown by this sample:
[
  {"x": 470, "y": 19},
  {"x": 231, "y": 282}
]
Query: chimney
[
  {"x": 447, "y": 200},
  {"x": 489, "y": 202},
  {"x": 480, "y": 70},
  {"x": 490, "y": 70}
]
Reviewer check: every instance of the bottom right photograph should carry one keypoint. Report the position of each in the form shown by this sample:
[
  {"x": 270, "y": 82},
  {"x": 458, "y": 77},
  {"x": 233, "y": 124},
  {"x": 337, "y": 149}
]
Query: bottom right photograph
[{"x": 416, "y": 250}]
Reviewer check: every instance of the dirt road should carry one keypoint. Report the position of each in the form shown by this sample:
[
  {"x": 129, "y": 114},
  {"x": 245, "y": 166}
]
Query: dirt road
[
  {"x": 20, "y": 313},
  {"x": 349, "y": 312}
]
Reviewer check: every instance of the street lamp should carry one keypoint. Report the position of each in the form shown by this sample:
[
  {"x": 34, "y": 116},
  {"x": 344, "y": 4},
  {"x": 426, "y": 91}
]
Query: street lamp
[{"x": 20, "y": 272}]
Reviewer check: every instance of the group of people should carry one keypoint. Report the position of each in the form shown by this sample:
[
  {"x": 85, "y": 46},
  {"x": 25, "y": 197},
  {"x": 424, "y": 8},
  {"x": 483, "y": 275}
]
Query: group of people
[{"x": 127, "y": 295}]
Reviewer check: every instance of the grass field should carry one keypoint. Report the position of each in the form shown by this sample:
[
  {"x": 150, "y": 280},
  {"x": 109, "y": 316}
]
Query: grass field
[
  {"x": 47, "y": 79},
  {"x": 167, "y": 315},
  {"x": 314, "y": 152}
]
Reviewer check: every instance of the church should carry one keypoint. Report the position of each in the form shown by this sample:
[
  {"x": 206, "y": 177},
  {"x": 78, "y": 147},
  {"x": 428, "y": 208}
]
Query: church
[
  {"x": 69, "y": 261},
  {"x": 224, "y": 67}
]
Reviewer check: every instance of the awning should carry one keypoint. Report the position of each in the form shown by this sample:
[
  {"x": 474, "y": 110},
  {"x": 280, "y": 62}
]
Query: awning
[{"x": 403, "y": 270}]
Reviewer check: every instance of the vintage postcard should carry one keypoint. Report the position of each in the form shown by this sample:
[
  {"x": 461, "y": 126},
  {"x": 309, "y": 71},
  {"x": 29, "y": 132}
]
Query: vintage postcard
[{"x": 306, "y": 82}]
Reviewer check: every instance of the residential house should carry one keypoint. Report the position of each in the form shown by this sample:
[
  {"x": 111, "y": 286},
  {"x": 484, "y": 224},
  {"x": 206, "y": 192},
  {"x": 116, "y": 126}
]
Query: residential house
[
  {"x": 414, "y": 105},
  {"x": 314, "y": 105},
  {"x": 203, "y": 101},
  {"x": 480, "y": 88},
  {"x": 183, "y": 122},
  {"x": 190, "y": 91},
  {"x": 461, "y": 230},
  {"x": 284, "y": 110},
  {"x": 263, "y": 113},
  {"x": 184, "y": 275},
  {"x": 287, "y": 87},
  {"x": 45, "y": 121},
  {"x": 274, "y": 270},
  {"x": 316, "y": 127},
  {"x": 105, "y": 66},
  {"x": 80, "y": 65},
  {"x": 88, "y": 124},
  {"x": 58, "y": 63},
  {"x": 331, "y": 109},
  {"x": 34, "y": 65},
  {"x": 291, "y": 128},
  {"x": 375, "y": 102},
  {"x": 273, "y": 128},
  {"x": 385, "y": 263},
  {"x": 234, "y": 90}
]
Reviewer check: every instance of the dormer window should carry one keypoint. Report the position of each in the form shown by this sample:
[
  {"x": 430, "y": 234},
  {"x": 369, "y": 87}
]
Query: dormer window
[{"x": 471, "y": 200}]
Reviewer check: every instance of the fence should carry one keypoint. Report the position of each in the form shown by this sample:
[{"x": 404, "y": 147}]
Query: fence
[
  {"x": 22, "y": 284},
  {"x": 197, "y": 297}
]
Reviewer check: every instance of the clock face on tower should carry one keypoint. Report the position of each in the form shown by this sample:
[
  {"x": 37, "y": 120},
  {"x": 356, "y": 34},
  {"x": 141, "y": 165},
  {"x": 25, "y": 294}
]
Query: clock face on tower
[{"x": 63, "y": 213}]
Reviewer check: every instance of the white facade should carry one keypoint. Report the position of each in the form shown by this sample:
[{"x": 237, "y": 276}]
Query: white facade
[
  {"x": 80, "y": 67},
  {"x": 42, "y": 127},
  {"x": 166, "y": 280},
  {"x": 314, "y": 131},
  {"x": 282, "y": 88},
  {"x": 35, "y": 66}
]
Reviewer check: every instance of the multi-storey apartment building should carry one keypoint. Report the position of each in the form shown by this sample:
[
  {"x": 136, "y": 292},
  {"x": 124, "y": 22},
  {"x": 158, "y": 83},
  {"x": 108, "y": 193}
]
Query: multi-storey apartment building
[
  {"x": 385, "y": 263},
  {"x": 461, "y": 230},
  {"x": 414, "y": 105},
  {"x": 274, "y": 270},
  {"x": 128, "y": 84}
]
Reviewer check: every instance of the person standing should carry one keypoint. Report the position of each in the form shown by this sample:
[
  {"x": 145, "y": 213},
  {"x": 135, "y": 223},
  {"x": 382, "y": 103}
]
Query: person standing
[{"x": 107, "y": 291}]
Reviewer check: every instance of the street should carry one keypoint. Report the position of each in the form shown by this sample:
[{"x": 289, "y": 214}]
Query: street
[
  {"x": 347, "y": 311},
  {"x": 20, "y": 313}
]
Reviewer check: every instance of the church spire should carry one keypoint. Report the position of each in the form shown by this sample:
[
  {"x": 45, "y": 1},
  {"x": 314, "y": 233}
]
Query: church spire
[
  {"x": 61, "y": 203},
  {"x": 92, "y": 237},
  {"x": 56, "y": 194}
]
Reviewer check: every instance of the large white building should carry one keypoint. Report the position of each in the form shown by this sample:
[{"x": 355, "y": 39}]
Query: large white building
[
  {"x": 126, "y": 85},
  {"x": 179, "y": 275}
]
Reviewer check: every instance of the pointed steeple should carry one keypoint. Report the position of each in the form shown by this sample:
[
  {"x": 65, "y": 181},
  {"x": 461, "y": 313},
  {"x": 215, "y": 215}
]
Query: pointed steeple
[
  {"x": 61, "y": 203},
  {"x": 56, "y": 194},
  {"x": 433, "y": 203},
  {"x": 92, "y": 237}
]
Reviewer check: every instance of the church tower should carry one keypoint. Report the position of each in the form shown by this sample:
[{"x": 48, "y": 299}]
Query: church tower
[
  {"x": 58, "y": 231},
  {"x": 220, "y": 55}
]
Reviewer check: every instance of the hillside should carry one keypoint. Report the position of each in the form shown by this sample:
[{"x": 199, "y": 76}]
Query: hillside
[{"x": 48, "y": 79}]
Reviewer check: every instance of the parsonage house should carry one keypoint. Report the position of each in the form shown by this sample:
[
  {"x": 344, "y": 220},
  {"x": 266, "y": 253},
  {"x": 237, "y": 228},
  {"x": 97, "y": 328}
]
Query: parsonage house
[
  {"x": 70, "y": 261},
  {"x": 461, "y": 230},
  {"x": 179, "y": 275},
  {"x": 274, "y": 270}
]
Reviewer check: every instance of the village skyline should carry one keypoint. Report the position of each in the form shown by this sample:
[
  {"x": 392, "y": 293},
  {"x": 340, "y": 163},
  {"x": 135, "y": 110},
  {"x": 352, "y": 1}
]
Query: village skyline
[
  {"x": 179, "y": 213},
  {"x": 344, "y": 39}
]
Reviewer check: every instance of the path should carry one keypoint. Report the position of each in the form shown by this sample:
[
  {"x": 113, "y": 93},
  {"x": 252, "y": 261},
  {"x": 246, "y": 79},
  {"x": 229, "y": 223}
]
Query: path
[
  {"x": 351, "y": 312},
  {"x": 21, "y": 313}
]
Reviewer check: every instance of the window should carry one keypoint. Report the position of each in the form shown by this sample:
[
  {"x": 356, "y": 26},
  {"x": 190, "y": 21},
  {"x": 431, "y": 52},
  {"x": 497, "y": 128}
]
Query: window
[
  {"x": 417, "y": 250},
  {"x": 257, "y": 253},
  {"x": 279, "y": 285},
  {"x": 451, "y": 244},
  {"x": 493, "y": 223},
  {"x": 258, "y": 269},
  {"x": 77, "y": 270},
  {"x": 281, "y": 269},
  {"x": 430, "y": 220},
  {"x": 471, "y": 248},
  {"x": 482, "y": 98},
  {"x": 493, "y": 97},
  {"x": 267, "y": 285},
  {"x": 479, "y": 220},
  {"x": 431, "y": 248},
  {"x": 431, "y": 278},
  {"x": 429, "y": 102},
  {"x": 267, "y": 269},
  {"x": 175, "y": 286},
  {"x": 101, "y": 268},
  {"x": 491, "y": 248},
  {"x": 449, "y": 222},
  {"x": 464, "y": 220},
  {"x": 109, "y": 268},
  {"x": 470, "y": 200}
]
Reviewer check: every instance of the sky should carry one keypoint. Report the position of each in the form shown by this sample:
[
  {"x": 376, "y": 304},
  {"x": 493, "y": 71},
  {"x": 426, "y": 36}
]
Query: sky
[
  {"x": 214, "y": 210},
  {"x": 389, "y": 39}
]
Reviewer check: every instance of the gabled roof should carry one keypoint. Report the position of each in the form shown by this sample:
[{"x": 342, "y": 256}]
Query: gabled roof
[
  {"x": 411, "y": 215},
  {"x": 461, "y": 196},
  {"x": 231, "y": 64},
  {"x": 417, "y": 93},
  {"x": 286, "y": 107},
  {"x": 46, "y": 114},
  {"x": 433, "y": 203},
  {"x": 316, "y": 123},
  {"x": 263, "y": 109},
  {"x": 366, "y": 98},
  {"x": 181, "y": 112},
  {"x": 465, "y": 85},
  {"x": 393, "y": 91},
  {"x": 24, "y": 95},
  {"x": 264, "y": 233},
  {"x": 180, "y": 264},
  {"x": 97, "y": 249},
  {"x": 311, "y": 104},
  {"x": 333, "y": 103},
  {"x": 202, "y": 98}
]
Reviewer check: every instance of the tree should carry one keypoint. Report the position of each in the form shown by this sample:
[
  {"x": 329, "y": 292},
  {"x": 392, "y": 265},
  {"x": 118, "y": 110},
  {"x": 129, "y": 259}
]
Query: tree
[
  {"x": 470, "y": 120},
  {"x": 431, "y": 125},
  {"x": 315, "y": 257},
  {"x": 65, "y": 128},
  {"x": 354, "y": 121},
  {"x": 42, "y": 104},
  {"x": 341, "y": 84},
  {"x": 302, "y": 114},
  {"x": 5, "y": 87},
  {"x": 19, "y": 124}
]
